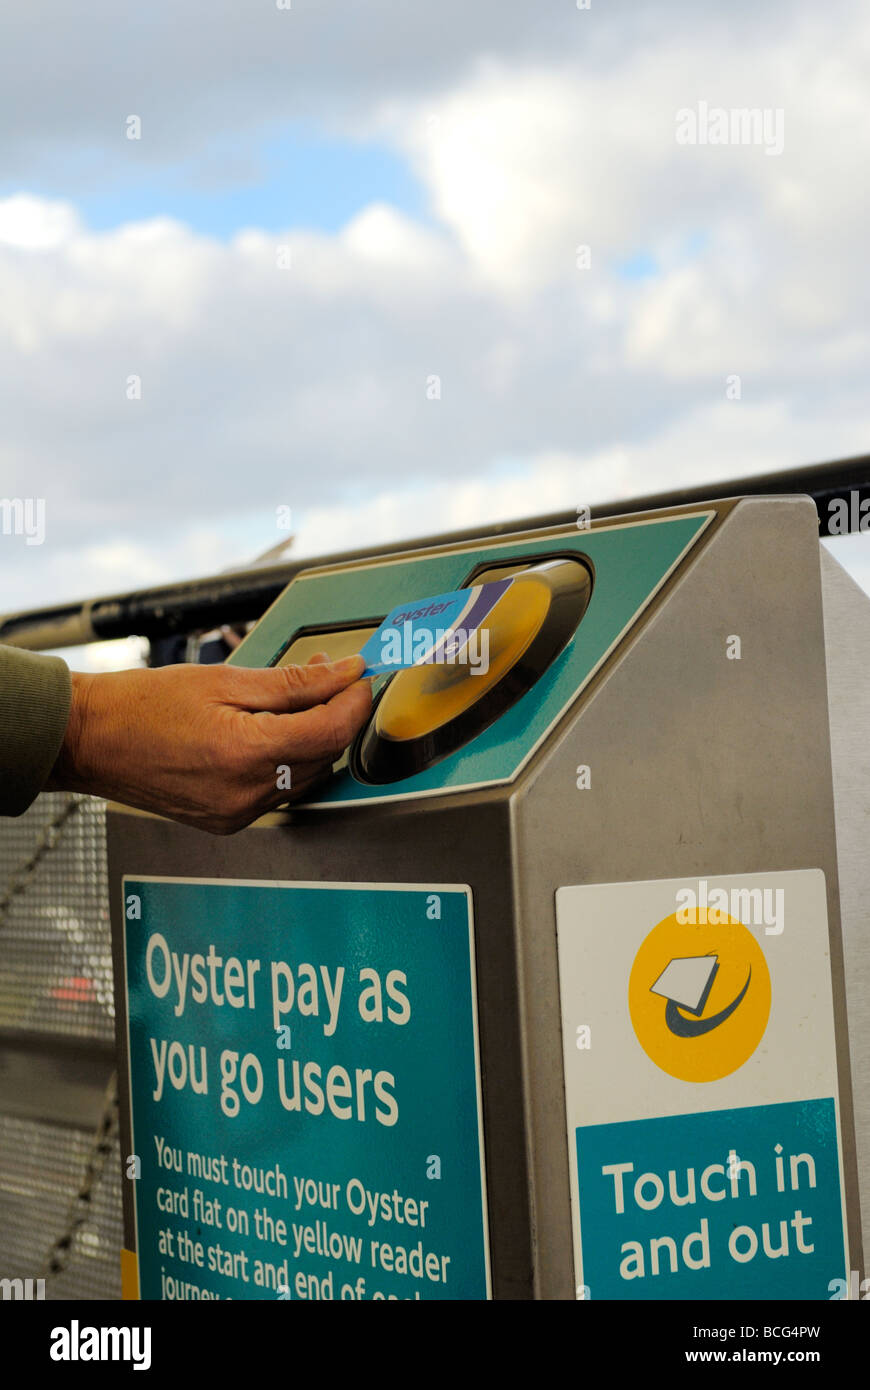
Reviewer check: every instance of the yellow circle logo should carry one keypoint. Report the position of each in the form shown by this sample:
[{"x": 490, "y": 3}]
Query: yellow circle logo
[{"x": 699, "y": 996}]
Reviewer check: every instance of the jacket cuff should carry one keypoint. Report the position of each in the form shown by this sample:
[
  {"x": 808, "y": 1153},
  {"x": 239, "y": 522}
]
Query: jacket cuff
[{"x": 35, "y": 698}]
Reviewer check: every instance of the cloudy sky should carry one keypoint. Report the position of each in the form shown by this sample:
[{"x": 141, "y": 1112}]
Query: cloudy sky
[{"x": 342, "y": 267}]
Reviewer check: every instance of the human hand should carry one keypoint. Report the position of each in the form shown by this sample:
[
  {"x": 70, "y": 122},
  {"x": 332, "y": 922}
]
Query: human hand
[{"x": 203, "y": 744}]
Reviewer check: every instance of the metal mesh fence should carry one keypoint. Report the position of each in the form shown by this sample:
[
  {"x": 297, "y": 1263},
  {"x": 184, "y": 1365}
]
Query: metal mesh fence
[
  {"x": 56, "y": 985},
  {"x": 40, "y": 1170},
  {"x": 56, "y": 960}
]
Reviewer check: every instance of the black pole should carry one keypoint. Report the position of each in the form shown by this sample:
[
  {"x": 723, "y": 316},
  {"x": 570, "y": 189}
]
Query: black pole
[{"x": 840, "y": 490}]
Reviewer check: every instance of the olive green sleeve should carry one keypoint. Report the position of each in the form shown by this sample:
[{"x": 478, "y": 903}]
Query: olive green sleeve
[{"x": 35, "y": 693}]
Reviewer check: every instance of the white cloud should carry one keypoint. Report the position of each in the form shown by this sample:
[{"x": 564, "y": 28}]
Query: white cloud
[
  {"x": 34, "y": 224},
  {"x": 307, "y": 386}
]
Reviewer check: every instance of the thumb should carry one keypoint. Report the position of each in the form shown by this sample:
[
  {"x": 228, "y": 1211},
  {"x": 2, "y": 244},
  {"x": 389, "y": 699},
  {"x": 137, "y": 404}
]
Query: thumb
[{"x": 286, "y": 688}]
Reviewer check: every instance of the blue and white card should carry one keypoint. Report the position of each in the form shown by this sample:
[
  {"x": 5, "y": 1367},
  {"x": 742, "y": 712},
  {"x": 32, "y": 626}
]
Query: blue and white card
[{"x": 432, "y": 630}]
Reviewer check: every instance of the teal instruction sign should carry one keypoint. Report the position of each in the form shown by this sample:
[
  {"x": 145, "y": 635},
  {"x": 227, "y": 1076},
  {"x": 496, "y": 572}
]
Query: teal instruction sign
[
  {"x": 295, "y": 1135},
  {"x": 726, "y": 1204}
]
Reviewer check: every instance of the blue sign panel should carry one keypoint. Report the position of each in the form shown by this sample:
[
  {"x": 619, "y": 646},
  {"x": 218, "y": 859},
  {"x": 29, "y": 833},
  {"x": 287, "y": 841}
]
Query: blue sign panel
[
  {"x": 741, "y": 1203},
  {"x": 288, "y": 1049}
]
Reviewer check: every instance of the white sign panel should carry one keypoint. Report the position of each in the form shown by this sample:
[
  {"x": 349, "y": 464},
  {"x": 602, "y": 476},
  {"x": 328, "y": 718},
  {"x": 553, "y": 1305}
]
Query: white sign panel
[{"x": 701, "y": 1088}]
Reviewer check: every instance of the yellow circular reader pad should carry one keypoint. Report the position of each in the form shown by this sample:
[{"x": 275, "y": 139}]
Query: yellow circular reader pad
[{"x": 426, "y": 712}]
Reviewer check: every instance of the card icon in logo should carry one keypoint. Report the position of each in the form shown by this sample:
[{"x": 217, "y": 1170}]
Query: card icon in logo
[{"x": 699, "y": 996}]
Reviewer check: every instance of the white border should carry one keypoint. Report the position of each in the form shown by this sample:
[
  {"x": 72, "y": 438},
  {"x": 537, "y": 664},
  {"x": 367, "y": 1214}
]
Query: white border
[
  {"x": 305, "y": 883},
  {"x": 707, "y": 514}
]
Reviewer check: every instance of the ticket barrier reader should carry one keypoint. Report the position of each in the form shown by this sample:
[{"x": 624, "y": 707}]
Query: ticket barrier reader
[{"x": 543, "y": 996}]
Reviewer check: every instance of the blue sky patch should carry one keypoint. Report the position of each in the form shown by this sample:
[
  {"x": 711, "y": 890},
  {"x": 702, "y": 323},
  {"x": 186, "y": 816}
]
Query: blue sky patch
[{"x": 295, "y": 179}]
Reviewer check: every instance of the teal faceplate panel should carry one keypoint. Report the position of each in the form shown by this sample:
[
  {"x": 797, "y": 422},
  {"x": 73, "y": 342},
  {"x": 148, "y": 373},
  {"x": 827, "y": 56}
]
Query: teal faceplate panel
[{"x": 631, "y": 561}]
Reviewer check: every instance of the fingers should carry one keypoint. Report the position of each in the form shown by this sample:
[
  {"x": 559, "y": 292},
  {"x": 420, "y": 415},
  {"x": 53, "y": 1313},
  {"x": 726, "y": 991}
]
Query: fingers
[
  {"x": 286, "y": 688},
  {"x": 320, "y": 734},
  {"x": 312, "y": 777},
  {"x": 306, "y": 778}
]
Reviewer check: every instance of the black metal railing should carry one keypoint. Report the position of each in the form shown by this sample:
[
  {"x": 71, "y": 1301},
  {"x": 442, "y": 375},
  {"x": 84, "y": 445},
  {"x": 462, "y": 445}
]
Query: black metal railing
[{"x": 840, "y": 490}]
